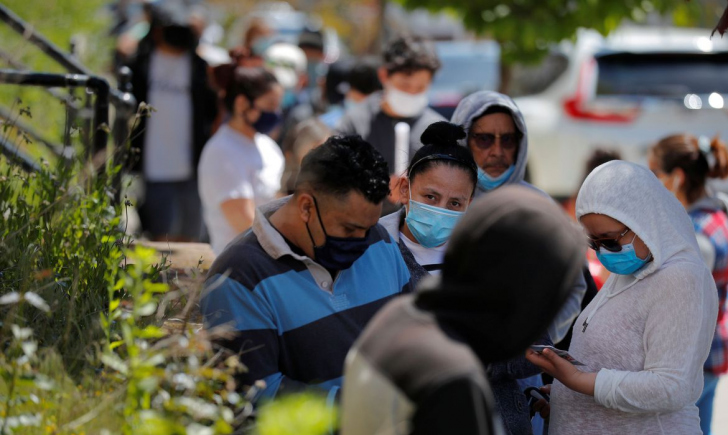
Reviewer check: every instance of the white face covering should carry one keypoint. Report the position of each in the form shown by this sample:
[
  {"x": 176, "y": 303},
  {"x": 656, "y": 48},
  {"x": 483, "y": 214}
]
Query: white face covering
[{"x": 405, "y": 104}]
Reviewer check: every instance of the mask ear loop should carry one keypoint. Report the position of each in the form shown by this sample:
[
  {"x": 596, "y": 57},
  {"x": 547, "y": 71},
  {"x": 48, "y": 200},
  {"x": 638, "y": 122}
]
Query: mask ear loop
[{"x": 313, "y": 242}]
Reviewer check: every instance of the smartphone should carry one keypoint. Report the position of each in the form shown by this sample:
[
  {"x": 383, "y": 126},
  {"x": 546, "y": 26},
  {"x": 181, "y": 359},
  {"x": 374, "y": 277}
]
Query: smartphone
[{"x": 539, "y": 348}]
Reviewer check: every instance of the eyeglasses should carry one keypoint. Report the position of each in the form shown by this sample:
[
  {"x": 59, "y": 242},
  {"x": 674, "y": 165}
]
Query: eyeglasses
[
  {"x": 486, "y": 140},
  {"x": 611, "y": 245}
]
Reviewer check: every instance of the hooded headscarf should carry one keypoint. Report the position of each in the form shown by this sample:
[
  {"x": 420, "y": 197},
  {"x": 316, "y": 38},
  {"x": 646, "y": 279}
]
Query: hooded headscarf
[
  {"x": 510, "y": 264},
  {"x": 474, "y": 106},
  {"x": 631, "y": 194}
]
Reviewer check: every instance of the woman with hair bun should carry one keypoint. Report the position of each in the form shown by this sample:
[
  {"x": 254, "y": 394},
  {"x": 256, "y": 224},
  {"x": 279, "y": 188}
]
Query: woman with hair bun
[
  {"x": 438, "y": 187},
  {"x": 684, "y": 164}
]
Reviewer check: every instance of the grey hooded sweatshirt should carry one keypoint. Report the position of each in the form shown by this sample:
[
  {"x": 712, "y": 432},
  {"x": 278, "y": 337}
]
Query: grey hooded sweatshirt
[
  {"x": 471, "y": 108},
  {"x": 646, "y": 335}
]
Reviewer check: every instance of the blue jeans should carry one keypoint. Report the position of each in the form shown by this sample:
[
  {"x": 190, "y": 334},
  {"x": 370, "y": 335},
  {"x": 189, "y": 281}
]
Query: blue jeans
[{"x": 705, "y": 403}]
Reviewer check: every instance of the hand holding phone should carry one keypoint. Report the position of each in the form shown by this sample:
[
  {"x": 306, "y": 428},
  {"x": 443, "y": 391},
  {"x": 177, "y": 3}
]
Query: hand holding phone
[{"x": 539, "y": 348}]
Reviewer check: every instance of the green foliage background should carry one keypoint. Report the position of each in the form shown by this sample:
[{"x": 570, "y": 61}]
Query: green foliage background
[
  {"x": 87, "y": 22},
  {"x": 525, "y": 28}
]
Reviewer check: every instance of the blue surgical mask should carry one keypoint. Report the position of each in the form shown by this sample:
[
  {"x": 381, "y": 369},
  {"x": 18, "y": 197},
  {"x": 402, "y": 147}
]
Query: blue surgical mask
[
  {"x": 338, "y": 253},
  {"x": 431, "y": 225},
  {"x": 289, "y": 99},
  {"x": 486, "y": 182},
  {"x": 624, "y": 262},
  {"x": 267, "y": 122},
  {"x": 314, "y": 69}
]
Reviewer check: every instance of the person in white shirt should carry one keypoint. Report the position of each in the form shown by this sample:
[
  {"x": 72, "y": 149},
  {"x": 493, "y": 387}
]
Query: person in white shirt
[
  {"x": 241, "y": 166},
  {"x": 644, "y": 338}
]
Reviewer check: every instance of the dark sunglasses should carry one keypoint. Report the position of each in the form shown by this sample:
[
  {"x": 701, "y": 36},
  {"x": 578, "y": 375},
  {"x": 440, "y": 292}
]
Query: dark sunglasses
[
  {"x": 611, "y": 245},
  {"x": 486, "y": 140}
]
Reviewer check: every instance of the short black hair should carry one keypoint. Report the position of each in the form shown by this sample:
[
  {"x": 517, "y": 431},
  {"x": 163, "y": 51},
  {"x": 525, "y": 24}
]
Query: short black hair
[
  {"x": 250, "y": 83},
  {"x": 343, "y": 164},
  {"x": 363, "y": 76},
  {"x": 410, "y": 53},
  {"x": 441, "y": 147}
]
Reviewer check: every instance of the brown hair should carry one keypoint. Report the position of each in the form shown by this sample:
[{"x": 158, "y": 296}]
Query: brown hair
[{"x": 684, "y": 151}]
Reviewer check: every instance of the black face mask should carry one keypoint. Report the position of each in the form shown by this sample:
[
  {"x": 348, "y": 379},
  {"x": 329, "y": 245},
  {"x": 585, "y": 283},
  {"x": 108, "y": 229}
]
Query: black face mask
[
  {"x": 179, "y": 37},
  {"x": 337, "y": 253}
]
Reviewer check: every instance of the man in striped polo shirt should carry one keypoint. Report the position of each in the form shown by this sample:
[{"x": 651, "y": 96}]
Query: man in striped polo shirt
[{"x": 299, "y": 287}]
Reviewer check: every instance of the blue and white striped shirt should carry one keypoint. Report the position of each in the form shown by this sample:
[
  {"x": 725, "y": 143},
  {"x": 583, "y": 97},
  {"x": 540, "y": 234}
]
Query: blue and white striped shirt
[{"x": 293, "y": 324}]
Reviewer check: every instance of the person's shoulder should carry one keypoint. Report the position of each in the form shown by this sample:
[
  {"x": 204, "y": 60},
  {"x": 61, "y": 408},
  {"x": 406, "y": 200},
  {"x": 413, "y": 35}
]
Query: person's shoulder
[
  {"x": 380, "y": 233},
  {"x": 244, "y": 260},
  {"x": 430, "y": 116},
  {"x": 392, "y": 223},
  {"x": 364, "y": 110},
  {"x": 263, "y": 140},
  {"x": 400, "y": 328}
]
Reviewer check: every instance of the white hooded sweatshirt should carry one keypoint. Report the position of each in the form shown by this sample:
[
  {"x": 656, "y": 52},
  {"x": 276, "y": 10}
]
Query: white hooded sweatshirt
[{"x": 648, "y": 334}]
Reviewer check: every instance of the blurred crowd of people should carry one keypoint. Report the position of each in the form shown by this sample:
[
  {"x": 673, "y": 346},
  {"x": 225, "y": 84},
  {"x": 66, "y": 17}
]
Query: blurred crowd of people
[{"x": 400, "y": 263}]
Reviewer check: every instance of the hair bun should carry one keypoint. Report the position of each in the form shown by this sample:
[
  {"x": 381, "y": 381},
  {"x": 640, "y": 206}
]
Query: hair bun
[{"x": 443, "y": 133}]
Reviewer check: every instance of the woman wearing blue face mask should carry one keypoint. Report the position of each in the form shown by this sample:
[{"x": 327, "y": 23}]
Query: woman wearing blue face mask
[
  {"x": 241, "y": 166},
  {"x": 437, "y": 189},
  {"x": 645, "y": 336}
]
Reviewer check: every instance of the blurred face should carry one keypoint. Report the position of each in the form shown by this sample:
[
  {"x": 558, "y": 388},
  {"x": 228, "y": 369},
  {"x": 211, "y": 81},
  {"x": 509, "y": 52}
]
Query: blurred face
[
  {"x": 268, "y": 102},
  {"x": 411, "y": 82},
  {"x": 350, "y": 216},
  {"x": 490, "y": 139},
  {"x": 671, "y": 180},
  {"x": 440, "y": 186},
  {"x": 599, "y": 226}
]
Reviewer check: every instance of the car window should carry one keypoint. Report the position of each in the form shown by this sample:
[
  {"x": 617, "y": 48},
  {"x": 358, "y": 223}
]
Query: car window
[
  {"x": 467, "y": 73},
  {"x": 467, "y": 66},
  {"x": 534, "y": 79},
  {"x": 662, "y": 74}
]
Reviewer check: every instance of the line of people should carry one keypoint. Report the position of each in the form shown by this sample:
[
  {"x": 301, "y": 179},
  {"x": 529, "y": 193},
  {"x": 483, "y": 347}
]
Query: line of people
[
  {"x": 433, "y": 281},
  {"x": 321, "y": 276}
]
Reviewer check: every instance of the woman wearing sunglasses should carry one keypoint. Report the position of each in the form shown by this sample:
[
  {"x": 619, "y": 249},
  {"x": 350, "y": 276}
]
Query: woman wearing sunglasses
[
  {"x": 684, "y": 163},
  {"x": 437, "y": 190},
  {"x": 645, "y": 336}
]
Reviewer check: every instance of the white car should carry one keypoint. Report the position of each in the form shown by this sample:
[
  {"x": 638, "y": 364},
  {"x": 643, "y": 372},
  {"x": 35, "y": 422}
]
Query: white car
[{"x": 625, "y": 92}]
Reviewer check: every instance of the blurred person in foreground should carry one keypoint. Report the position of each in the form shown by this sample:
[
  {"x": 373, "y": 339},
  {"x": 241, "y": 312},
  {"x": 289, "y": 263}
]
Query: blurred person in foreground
[
  {"x": 306, "y": 136},
  {"x": 419, "y": 365},
  {"x": 169, "y": 76},
  {"x": 298, "y": 289},
  {"x": 241, "y": 167},
  {"x": 498, "y": 138},
  {"x": 437, "y": 191},
  {"x": 410, "y": 64},
  {"x": 684, "y": 164},
  {"x": 645, "y": 336}
]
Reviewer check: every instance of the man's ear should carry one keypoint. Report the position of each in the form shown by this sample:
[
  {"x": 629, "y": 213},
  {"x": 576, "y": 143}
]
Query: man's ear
[
  {"x": 305, "y": 205},
  {"x": 240, "y": 104},
  {"x": 383, "y": 75}
]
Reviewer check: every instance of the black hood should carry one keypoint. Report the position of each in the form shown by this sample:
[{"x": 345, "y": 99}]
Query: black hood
[{"x": 510, "y": 264}]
